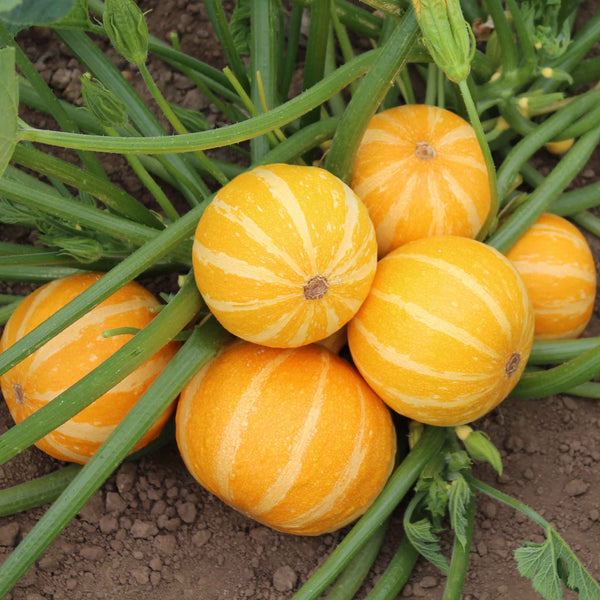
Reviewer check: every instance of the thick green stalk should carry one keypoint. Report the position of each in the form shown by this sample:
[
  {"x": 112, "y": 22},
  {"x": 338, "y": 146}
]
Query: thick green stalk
[
  {"x": 460, "y": 558},
  {"x": 7, "y": 310},
  {"x": 143, "y": 258},
  {"x": 358, "y": 19},
  {"x": 214, "y": 138},
  {"x": 291, "y": 53},
  {"x": 37, "y": 492},
  {"x": 314, "y": 64},
  {"x": 549, "y": 352},
  {"x": 337, "y": 104},
  {"x": 112, "y": 196},
  {"x": 397, "y": 573},
  {"x": 161, "y": 330},
  {"x": 585, "y": 72},
  {"x": 217, "y": 17},
  {"x": 505, "y": 36},
  {"x": 264, "y": 65},
  {"x": 141, "y": 116},
  {"x": 349, "y": 582},
  {"x": 539, "y": 384},
  {"x": 35, "y": 275},
  {"x": 166, "y": 109},
  {"x": 544, "y": 133},
  {"x": 302, "y": 141},
  {"x": 370, "y": 93},
  {"x": 49, "y": 99},
  {"x": 588, "y": 221},
  {"x": 487, "y": 154},
  {"x": 79, "y": 214},
  {"x": 200, "y": 348},
  {"x": 10, "y": 298},
  {"x": 396, "y": 488},
  {"x": 138, "y": 168},
  {"x": 539, "y": 200},
  {"x": 575, "y": 201}
]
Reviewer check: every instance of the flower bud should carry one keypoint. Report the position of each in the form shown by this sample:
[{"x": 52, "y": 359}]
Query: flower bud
[
  {"x": 479, "y": 446},
  {"x": 102, "y": 103},
  {"x": 127, "y": 29},
  {"x": 560, "y": 148},
  {"x": 448, "y": 37}
]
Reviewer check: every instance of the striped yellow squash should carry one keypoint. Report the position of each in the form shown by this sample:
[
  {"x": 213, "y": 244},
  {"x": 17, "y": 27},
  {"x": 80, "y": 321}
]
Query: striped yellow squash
[
  {"x": 71, "y": 355},
  {"x": 420, "y": 171},
  {"x": 284, "y": 255},
  {"x": 558, "y": 269},
  {"x": 293, "y": 438},
  {"x": 445, "y": 332}
]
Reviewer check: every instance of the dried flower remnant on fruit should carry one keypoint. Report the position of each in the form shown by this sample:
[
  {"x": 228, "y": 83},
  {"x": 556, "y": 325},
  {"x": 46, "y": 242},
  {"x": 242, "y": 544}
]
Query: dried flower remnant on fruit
[
  {"x": 424, "y": 151},
  {"x": 127, "y": 29},
  {"x": 316, "y": 288},
  {"x": 513, "y": 363}
]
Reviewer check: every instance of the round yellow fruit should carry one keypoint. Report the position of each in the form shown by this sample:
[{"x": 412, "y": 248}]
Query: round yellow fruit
[
  {"x": 293, "y": 438},
  {"x": 557, "y": 266},
  {"x": 420, "y": 171},
  {"x": 445, "y": 332},
  {"x": 284, "y": 255}
]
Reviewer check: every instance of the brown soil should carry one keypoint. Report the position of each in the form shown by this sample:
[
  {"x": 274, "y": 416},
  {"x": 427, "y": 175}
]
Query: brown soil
[{"x": 152, "y": 532}]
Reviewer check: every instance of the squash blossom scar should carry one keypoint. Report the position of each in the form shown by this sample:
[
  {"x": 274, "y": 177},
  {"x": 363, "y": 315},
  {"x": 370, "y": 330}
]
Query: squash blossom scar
[
  {"x": 19, "y": 395},
  {"x": 316, "y": 287},
  {"x": 513, "y": 363}
]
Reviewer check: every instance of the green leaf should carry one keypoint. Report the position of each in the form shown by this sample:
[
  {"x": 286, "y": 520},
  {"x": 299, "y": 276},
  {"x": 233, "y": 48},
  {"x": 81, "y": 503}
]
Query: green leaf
[
  {"x": 460, "y": 494},
  {"x": 480, "y": 447},
  {"x": 239, "y": 25},
  {"x": 17, "y": 14},
  {"x": 553, "y": 562},
  {"x": 9, "y": 105},
  {"x": 78, "y": 18},
  {"x": 458, "y": 461},
  {"x": 437, "y": 498},
  {"x": 426, "y": 543}
]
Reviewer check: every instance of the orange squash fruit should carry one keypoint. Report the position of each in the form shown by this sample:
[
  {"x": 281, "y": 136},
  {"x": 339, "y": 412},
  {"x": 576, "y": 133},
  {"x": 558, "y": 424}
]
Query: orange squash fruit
[
  {"x": 71, "y": 355},
  {"x": 284, "y": 255},
  {"x": 420, "y": 171},
  {"x": 557, "y": 266},
  {"x": 293, "y": 438},
  {"x": 445, "y": 332}
]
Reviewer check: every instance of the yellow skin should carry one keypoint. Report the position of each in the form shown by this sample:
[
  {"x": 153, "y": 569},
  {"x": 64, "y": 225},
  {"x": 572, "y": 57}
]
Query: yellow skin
[
  {"x": 420, "y": 171},
  {"x": 284, "y": 255},
  {"x": 557, "y": 266},
  {"x": 445, "y": 332},
  {"x": 71, "y": 355},
  {"x": 293, "y": 438}
]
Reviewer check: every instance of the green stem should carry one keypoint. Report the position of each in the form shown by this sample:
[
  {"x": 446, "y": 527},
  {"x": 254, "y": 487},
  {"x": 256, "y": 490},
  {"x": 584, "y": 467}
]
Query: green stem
[
  {"x": 342, "y": 37},
  {"x": 396, "y": 488},
  {"x": 160, "y": 331},
  {"x": 587, "y": 221},
  {"x": 314, "y": 64},
  {"x": 590, "y": 389},
  {"x": 112, "y": 196},
  {"x": 487, "y": 155},
  {"x": 144, "y": 258},
  {"x": 37, "y": 492},
  {"x": 291, "y": 50},
  {"x": 370, "y": 93},
  {"x": 264, "y": 65},
  {"x": 505, "y": 35},
  {"x": 80, "y": 215},
  {"x": 431, "y": 84},
  {"x": 576, "y": 201},
  {"x": 217, "y": 17},
  {"x": 397, "y": 573},
  {"x": 139, "y": 113},
  {"x": 202, "y": 346},
  {"x": 460, "y": 557},
  {"x": 165, "y": 107},
  {"x": 557, "y": 380},
  {"x": 349, "y": 582},
  {"x": 138, "y": 168},
  {"x": 540, "y": 199},
  {"x": 214, "y": 138},
  {"x": 10, "y": 298},
  {"x": 49, "y": 99},
  {"x": 548, "y": 352},
  {"x": 337, "y": 103},
  {"x": 36, "y": 275},
  {"x": 7, "y": 310},
  {"x": 510, "y": 501},
  {"x": 358, "y": 19}
]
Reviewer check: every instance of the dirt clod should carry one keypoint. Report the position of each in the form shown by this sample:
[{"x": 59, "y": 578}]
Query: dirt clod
[
  {"x": 576, "y": 487},
  {"x": 9, "y": 534},
  {"x": 284, "y": 579}
]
